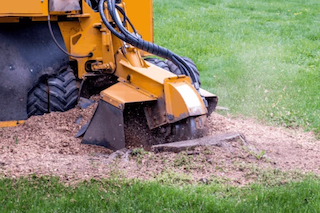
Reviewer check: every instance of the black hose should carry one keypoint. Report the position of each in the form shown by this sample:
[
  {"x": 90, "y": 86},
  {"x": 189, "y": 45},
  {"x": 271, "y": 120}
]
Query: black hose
[
  {"x": 125, "y": 18},
  {"x": 126, "y": 36},
  {"x": 150, "y": 47},
  {"x": 105, "y": 21}
]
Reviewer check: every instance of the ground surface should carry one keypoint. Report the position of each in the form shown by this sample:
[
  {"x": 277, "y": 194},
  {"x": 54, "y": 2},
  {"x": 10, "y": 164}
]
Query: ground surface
[{"x": 45, "y": 145}]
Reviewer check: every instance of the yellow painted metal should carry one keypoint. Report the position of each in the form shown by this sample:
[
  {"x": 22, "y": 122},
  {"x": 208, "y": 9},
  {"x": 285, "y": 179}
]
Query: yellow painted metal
[
  {"x": 175, "y": 94},
  {"x": 87, "y": 34},
  {"x": 121, "y": 93},
  {"x": 68, "y": 29},
  {"x": 182, "y": 99},
  {"x": 141, "y": 15},
  {"x": 30, "y": 8},
  {"x": 146, "y": 78},
  {"x": 10, "y": 123},
  {"x": 90, "y": 35},
  {"x": 23, "y": 8},
  {"x": 134, "y": 57}
]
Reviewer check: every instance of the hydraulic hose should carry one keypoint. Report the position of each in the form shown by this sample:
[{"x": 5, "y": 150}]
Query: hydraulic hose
[
  {"x": 127, "y": 37},
  {"x": 126, "y": 18}
]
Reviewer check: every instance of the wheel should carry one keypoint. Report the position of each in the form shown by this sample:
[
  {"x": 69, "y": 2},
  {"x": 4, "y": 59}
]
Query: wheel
[
  {"x": 38, "y": 103},
  {"x": 160, "y": 63},
  {"x": 63, "y": 92},
  {"x": 58, "y": 93},
  {"x": 175, "y": 69}
]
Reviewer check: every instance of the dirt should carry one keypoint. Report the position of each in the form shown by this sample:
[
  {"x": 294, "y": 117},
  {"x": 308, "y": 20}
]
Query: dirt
[{"x": 45, "y": 145}]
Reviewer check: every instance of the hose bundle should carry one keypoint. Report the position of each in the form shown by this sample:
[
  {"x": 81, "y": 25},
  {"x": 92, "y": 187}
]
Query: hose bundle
[{"x": 136, "y": 41}]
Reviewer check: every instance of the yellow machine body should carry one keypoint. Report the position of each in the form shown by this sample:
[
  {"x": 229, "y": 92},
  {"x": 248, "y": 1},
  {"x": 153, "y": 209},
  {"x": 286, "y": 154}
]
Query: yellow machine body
[
  {"x": 32, "y": 8},
  {"x": 167, "y": 98}
]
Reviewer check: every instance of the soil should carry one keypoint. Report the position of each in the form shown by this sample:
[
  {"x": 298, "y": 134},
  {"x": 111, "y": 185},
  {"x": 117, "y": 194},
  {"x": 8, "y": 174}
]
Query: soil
[{"x": 45, "y": 145}]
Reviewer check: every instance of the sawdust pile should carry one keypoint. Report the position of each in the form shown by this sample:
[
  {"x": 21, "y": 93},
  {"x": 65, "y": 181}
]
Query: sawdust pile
[{"x": 45, "y": 145}]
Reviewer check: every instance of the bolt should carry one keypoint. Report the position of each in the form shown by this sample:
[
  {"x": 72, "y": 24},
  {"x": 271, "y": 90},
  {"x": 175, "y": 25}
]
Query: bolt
[
  {"x": 31, "y": 70},
  {"x": 170, "y": 117},
  {"x": 11, "y": 67}
]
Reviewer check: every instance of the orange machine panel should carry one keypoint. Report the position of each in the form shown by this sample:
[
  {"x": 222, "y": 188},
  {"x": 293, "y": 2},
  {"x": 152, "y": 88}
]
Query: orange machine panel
[
  {"x": 140, "y": 14},
  {"x": 23, "y": 8}
]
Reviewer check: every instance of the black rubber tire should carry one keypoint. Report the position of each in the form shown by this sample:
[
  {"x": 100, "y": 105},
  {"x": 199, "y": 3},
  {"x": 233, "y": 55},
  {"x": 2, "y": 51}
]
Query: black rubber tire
[
  {"x": 59, "y": 93},
  {"x": 160, "y": 63},
  {"x": 63, "y": 91},
  {"x": 37, "y": 103},
  {"x": 175, "y": 69}
]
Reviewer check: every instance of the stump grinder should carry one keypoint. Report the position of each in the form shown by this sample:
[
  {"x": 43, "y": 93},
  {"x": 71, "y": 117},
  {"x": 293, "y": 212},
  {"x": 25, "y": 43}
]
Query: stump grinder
[{"x": 55, "y": 51}]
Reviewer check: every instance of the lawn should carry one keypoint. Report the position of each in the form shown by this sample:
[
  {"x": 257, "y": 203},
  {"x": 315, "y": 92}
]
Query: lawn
[
  {"x": 48, "y": 195},
  {"x": 260, "y": 57}
]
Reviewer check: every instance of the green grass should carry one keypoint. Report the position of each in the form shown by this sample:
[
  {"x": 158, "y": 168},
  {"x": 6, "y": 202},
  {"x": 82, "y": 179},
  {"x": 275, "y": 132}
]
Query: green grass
[
  {"x": 48, "y": 195},
  {"x": 261, "y": 57}
]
